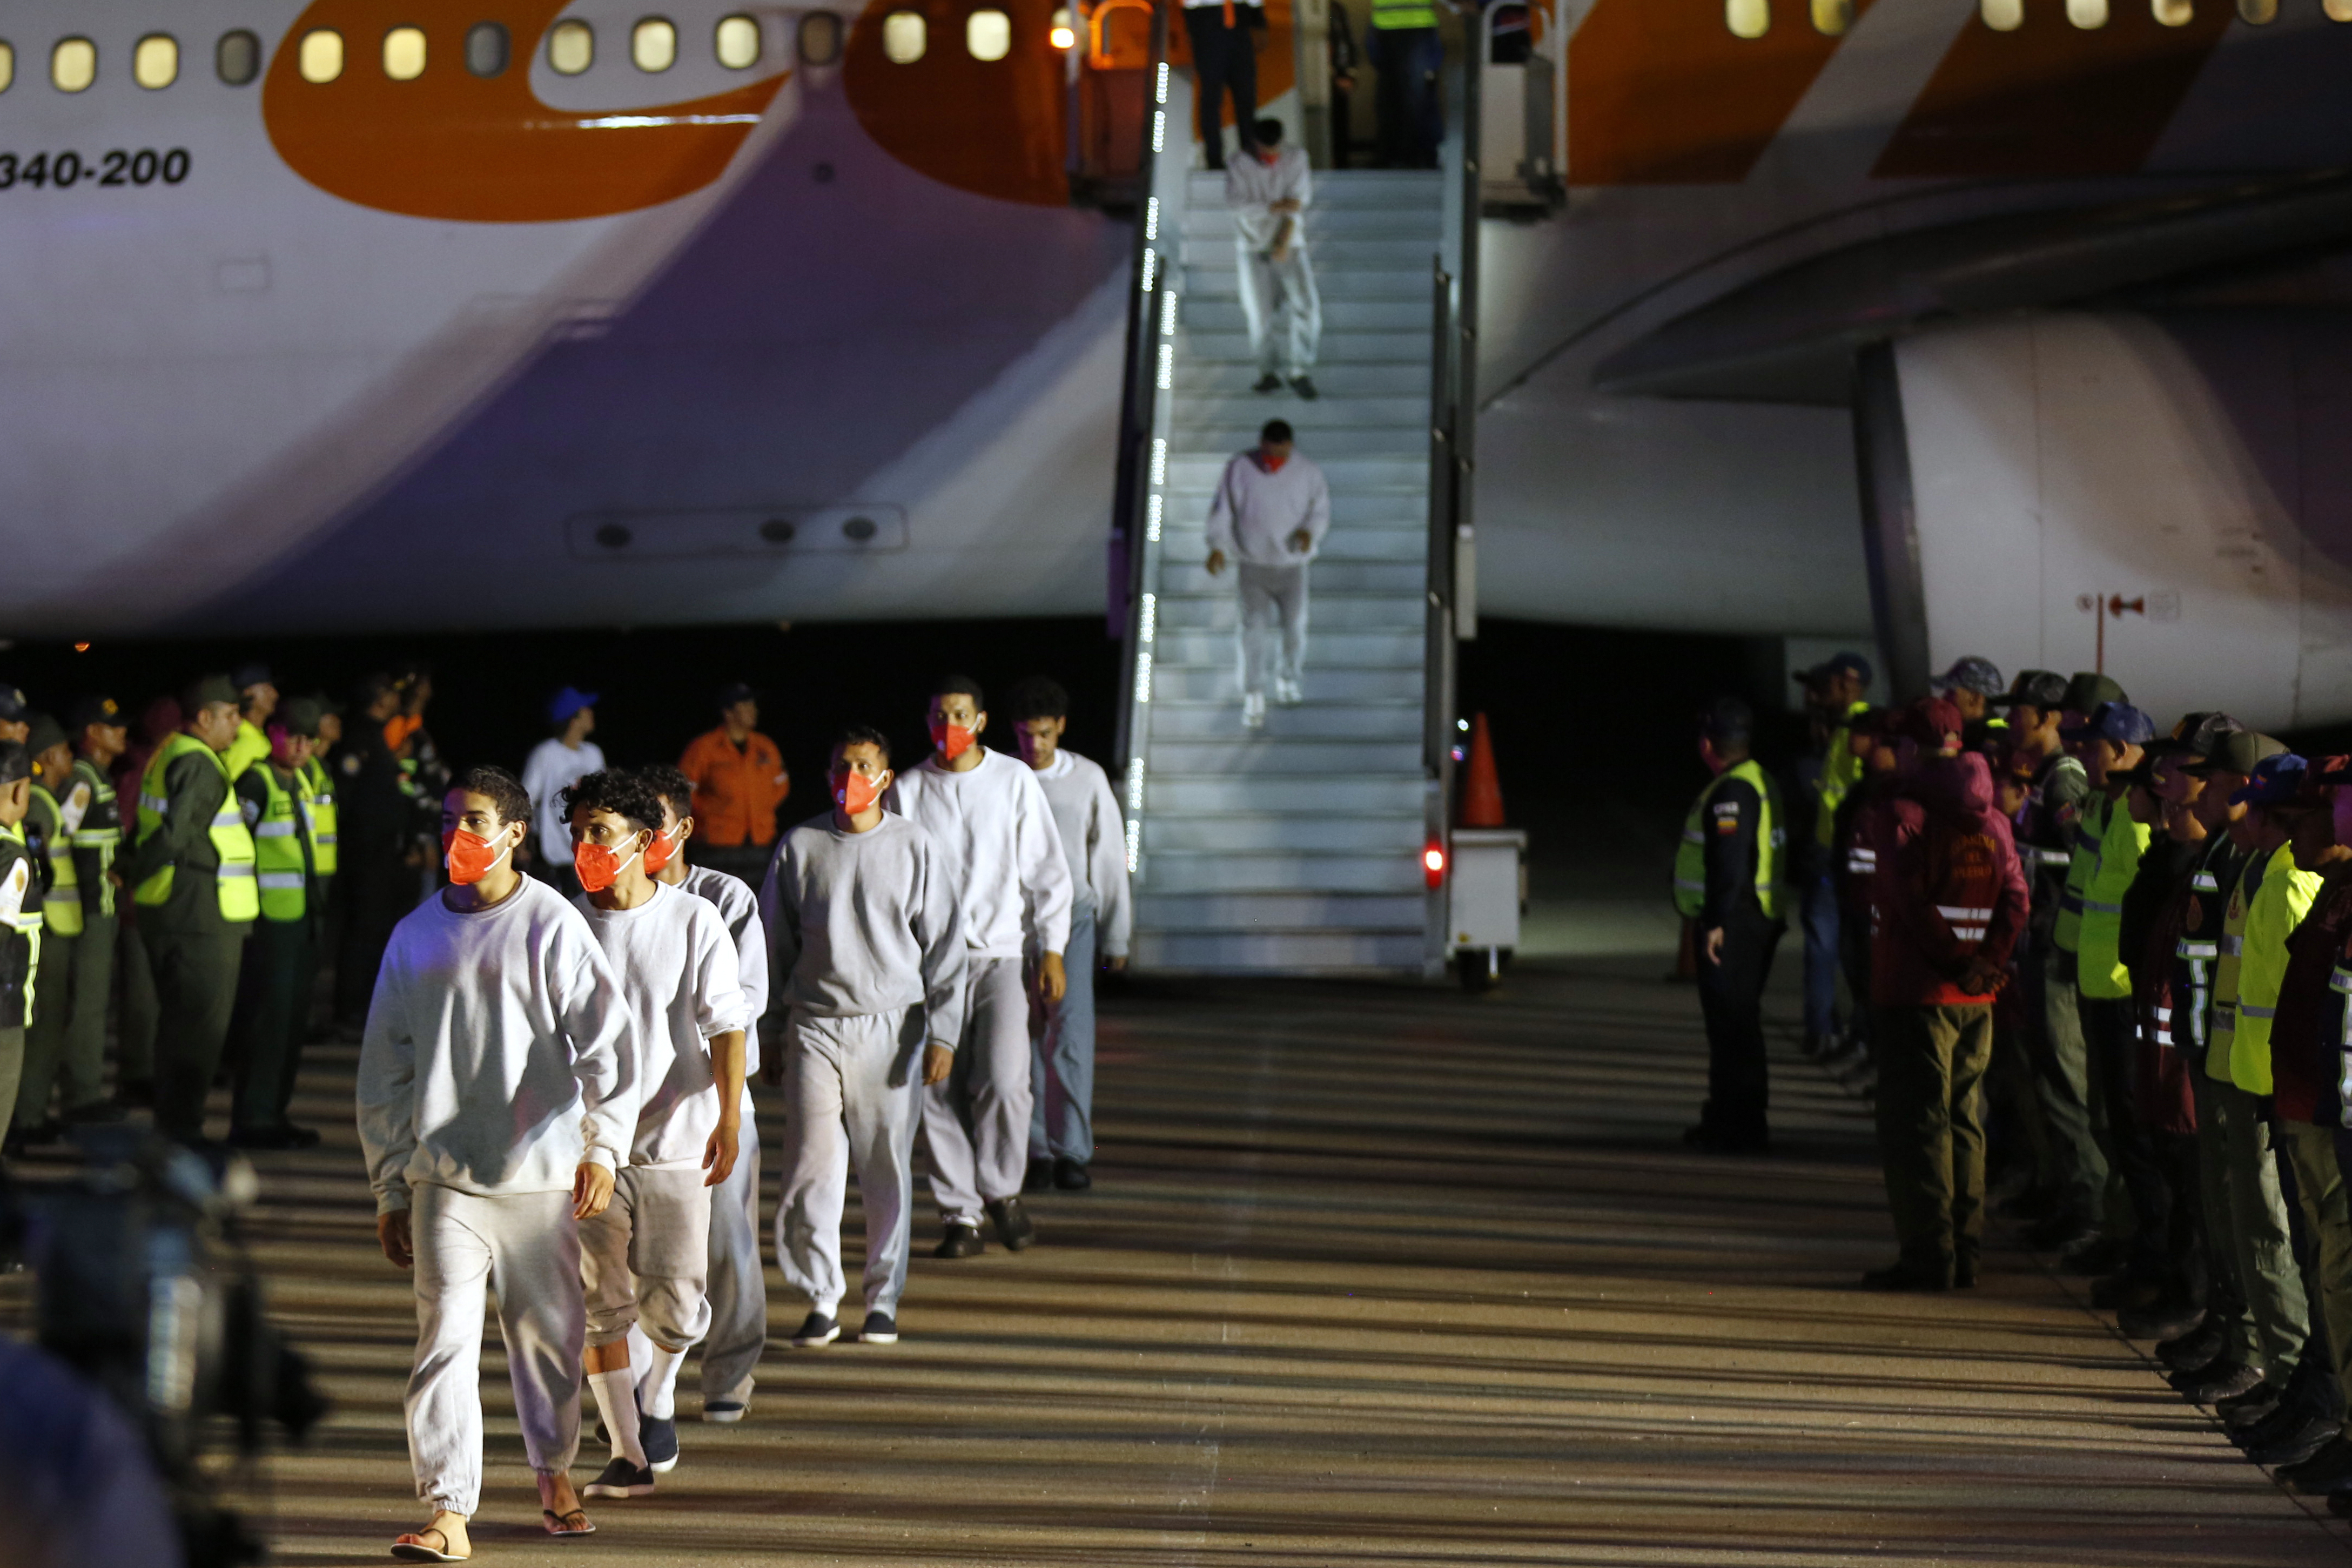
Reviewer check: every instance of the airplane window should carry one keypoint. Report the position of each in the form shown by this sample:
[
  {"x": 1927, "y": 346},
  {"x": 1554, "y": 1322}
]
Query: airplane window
[
  {"x": 570, "y": 49},
  {"x": 738, "y": 42},
  {"x": 2001, "y": 15},
  {"x": 653, "y": 46},
  {"x": 404, "y": 54},
  {"x": 902, "y": 37},
  {"x": 237, "y": 59},
  {"x": 2173, "y": 12},
  {"x": 2087, "y": 13},
  {"x": 486, "y": 49},
  {"x": 1747, "y": 18},
  {"x": 155, "y": 63},
  {"x": 988, "y": 35},
  {"x": 321, "y": 55},
  {"x": 73, "y": 65},
  {"x": 820, "y": 38},
  {"x": 1832, "y": 16},
  {"x": 2258, "y": 12},
  {"x": 7, "y": 66}
]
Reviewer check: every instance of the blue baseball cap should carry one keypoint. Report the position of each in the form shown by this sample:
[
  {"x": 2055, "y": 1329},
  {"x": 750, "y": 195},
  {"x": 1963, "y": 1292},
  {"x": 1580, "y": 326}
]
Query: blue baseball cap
[
  {"x": 2121, "y": 723},
  {"x": 567, "y": 702},
  {"x": 2275, "y": 781}
]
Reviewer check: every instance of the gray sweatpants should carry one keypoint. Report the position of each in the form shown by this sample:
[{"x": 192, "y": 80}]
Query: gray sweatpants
[
  {"x": 737, "y": 1288},
  {"x": 1281, "y": 307},
  {"x": 1062, "y": 1068},
  {"x": 852, "y": 1088},
  {"x": 976, "y": 1123},
  {"x": 1274, "y": 603},
  {"x": 647, "y": 1258},
  {"x": 527, "y": 1246}
]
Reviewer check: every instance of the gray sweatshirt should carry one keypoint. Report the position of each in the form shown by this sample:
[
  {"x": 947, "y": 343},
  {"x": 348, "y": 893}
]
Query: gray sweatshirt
[
  {"x": 738, "y": 906},
  {"x": 1255, "y": 512},
  {"x": 1094, "y": 843},
  {"x": 996, "y": 835},
  {"x": 865, "y": 923},
  {"x": 498, "y": 1053},
  {"x": 677, "y": 968}
]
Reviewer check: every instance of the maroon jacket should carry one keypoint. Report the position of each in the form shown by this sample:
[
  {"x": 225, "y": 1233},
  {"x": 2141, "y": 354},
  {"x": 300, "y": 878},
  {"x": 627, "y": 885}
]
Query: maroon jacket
[{"x": 1950, "y": 888}]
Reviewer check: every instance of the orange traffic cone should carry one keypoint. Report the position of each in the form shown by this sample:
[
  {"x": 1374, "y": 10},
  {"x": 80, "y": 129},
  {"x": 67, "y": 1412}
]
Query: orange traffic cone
[{"x": 1482, "y": 793}]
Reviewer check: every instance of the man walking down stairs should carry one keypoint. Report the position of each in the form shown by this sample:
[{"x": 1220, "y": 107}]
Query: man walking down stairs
[{"x": 1272, "y": 509}]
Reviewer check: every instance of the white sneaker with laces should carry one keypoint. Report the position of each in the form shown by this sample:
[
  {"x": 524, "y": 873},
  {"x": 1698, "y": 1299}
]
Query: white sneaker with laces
[{"x": 1253, "y": 710}]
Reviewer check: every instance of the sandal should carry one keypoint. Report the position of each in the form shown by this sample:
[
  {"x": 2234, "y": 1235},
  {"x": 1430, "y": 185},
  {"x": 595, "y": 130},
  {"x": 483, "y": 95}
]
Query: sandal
[
  {"x": 561, "y": 1525},
  {"x": 411, "y": 1548}
]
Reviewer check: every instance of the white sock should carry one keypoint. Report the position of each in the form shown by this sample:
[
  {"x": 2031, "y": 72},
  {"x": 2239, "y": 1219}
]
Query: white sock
[
  {"x": 616, "y": 1401},
  {"x": 661, "y": 1383}
]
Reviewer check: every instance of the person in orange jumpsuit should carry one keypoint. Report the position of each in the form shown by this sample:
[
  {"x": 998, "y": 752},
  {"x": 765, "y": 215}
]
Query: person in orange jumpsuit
[{"x": 739, "y": 781}]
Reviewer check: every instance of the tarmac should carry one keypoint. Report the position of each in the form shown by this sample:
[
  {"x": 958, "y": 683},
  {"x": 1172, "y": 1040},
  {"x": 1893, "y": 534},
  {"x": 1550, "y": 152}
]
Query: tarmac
[{"x": 1371, "y": 1273}]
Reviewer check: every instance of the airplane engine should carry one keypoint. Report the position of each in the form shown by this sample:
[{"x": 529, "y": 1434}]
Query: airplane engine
[{"x": 2165, "y": 496}]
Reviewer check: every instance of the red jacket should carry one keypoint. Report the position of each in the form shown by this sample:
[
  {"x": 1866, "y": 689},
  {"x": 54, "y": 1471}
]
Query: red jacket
[{"x": 1950, "y": 888}]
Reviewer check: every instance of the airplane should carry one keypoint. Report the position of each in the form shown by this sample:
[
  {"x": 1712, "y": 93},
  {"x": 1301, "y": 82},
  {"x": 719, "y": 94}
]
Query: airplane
[{"x": 1988, "y": 326}]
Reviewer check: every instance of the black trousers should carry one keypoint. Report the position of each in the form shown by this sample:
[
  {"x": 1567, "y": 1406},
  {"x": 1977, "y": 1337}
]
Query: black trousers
[
  {"x": 272, "y": 1019},
  {"x": 1731, "y": 998},
  {"x": 2109, "y": 1044},
  {"x": 1224, "y": 59},
  {"x": 379, "y": 890},
  {"x": 196, "y": 991}
]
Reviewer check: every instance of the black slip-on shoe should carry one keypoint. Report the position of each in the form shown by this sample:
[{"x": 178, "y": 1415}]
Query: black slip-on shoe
[
  {"x": 816, "y": 1331},
  {"x": 881, "y": 1328},
  {"x": 657, "y": 1435},
  {"x": 1014, "y": 1226},
  {"x": 2324, "y": 1474},
  {"x": 724, "y": 1410},
  {"x": 1070, "y": 1175},
  {"x": 621, "y": 1479},
  {"x": 961, "y": 1241},
  {"x": 1268, "y": 383},
  {"x": 1305, "y": 387}
]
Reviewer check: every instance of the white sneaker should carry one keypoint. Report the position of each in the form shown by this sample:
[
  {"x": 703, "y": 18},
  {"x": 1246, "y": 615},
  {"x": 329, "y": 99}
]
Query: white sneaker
[
  {"x": 1287, "y": 693},
  {"x": 1253, "y": 710}
]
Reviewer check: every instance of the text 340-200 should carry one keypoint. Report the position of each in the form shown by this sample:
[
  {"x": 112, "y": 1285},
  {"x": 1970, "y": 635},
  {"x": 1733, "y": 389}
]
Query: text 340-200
[{"x": 64, "y": 170}]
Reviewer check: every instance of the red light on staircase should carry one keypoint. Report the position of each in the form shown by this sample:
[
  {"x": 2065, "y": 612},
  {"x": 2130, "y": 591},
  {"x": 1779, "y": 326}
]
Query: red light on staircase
[{"x": 1432, "y": 863}]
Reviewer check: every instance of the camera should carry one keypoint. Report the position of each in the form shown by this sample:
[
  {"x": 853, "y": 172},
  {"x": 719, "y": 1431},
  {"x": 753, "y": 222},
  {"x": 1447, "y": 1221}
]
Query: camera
[{"x": 144, "y": 1289}]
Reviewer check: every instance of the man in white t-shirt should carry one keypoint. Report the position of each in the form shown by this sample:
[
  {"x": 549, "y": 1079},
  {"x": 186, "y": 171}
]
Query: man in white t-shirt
[
  {"x": 646, "y": 1258},
  {"x": 1094, "y": 846},
  {"x": 562, "y": 760},
  {"x": 1271, "y": 510},
  {"x": 738, "y": 1290},
  {"x": 989, "y": 823},
  {"x": 496, "y": 1100}
]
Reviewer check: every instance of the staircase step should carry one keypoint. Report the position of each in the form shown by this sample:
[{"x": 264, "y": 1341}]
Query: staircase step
[
  {"x": 1234, "y": 833},
  {"x": 1338, "y": 650},
  {"x": 1226, "y": 378},
  {"x": 1356, "y": 410},
  {"x": 1325, "y": 613},
  {"x": 1271, "y": 752},
  {"x": 1220, "y": 683},
  {"x": 1338, "y": 316},
  {"x": 1291, "y": 793},
  {"x": 1362, "y": 187},
  {"x": 1333, "y": 227},
  {"x": 1312, "y": 720},
  {"x": 1200, "y": 469},
  {"x": 1338, "y": 569},
  {"x": 1333, "y": 284},
  {"x": 1396, "y": 868},
  {"x": 1338, "y": 348}
]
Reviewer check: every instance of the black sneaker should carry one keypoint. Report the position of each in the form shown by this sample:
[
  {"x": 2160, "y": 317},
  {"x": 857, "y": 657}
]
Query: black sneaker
[
  {"x": 1039, "y": 1177},
  {"x": 881, "y": 1328},
  {"x": 657, "y": 1435},
  {"x": 2193, "y": 1350},
  {"x": 961, "y": 1241},
  {"x": 1268, "y": 383},
  {"x": 621, "y": 1479},
  {"x": 1014, "y": 1227},
  {"x": 2295, "y": 1443},
  {"x": 2245, "y": 1409},
  {"x": 1070, "y": 1175},
  {"x": 1305, "y": 387},
  {"x": 816, "y": 1331},
  {"x": 724, "y": 1410}
]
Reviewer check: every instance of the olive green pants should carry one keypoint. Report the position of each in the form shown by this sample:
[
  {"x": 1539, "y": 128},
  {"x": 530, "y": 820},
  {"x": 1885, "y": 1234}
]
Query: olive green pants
[
  {"x": 2258, "y": 1232},
  {"x": 2319, "y": 1189},
  {"x": 1931, "y": 1067},
  {"x": 2225, "y": 1295},
  {"x": 135, "y": 1039},
  {"x": 2063, "y": 1084},
  {"x": 195, "y": 990},
  {"x": 65, "y": 1047}
]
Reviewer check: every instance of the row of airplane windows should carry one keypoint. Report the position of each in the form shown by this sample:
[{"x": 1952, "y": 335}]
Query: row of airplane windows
[
  {"x": 570, "y": 49},
  {"x": 1753, "y": 18}
]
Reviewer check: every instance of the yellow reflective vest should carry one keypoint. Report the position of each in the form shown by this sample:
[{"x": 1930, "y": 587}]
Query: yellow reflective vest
[
  {"x": 1840, "y": 771},
  {"x": 61, "y": 905},
  {"x": 2269, "y": 902},
  {"x": 281, "y": 852},
  {"x": 249, "y": 747},
  {"x": 1772, "y": 846},
  {"x": 320, "y": 811},
  {"x": 239, "y": 900},
  {"x": 1388, "y": 14},
  {"x": 2101, "y": 971},
  {"x": 2090, "y": 828},
  {"x": 98, "y": 831}
]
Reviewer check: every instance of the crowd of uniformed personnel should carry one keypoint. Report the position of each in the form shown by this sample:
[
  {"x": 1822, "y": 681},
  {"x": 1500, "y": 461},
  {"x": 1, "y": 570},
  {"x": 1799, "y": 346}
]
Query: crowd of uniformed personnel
[{"x": 2114, "y": 961}]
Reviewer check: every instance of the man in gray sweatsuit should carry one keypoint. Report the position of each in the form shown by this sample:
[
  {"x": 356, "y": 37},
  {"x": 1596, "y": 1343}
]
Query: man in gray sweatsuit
[{"x": 866, "y": 924}]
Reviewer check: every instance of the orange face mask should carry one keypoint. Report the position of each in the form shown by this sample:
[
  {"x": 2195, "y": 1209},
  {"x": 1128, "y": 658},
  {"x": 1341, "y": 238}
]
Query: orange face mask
[
  {"x": 952, "y": 739},
  {"x": 660, "y": 852},
  {"x": 855, "y": 792},
  {"x": 469, "y": 856},
  {"x": 598, "y": 865}
]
